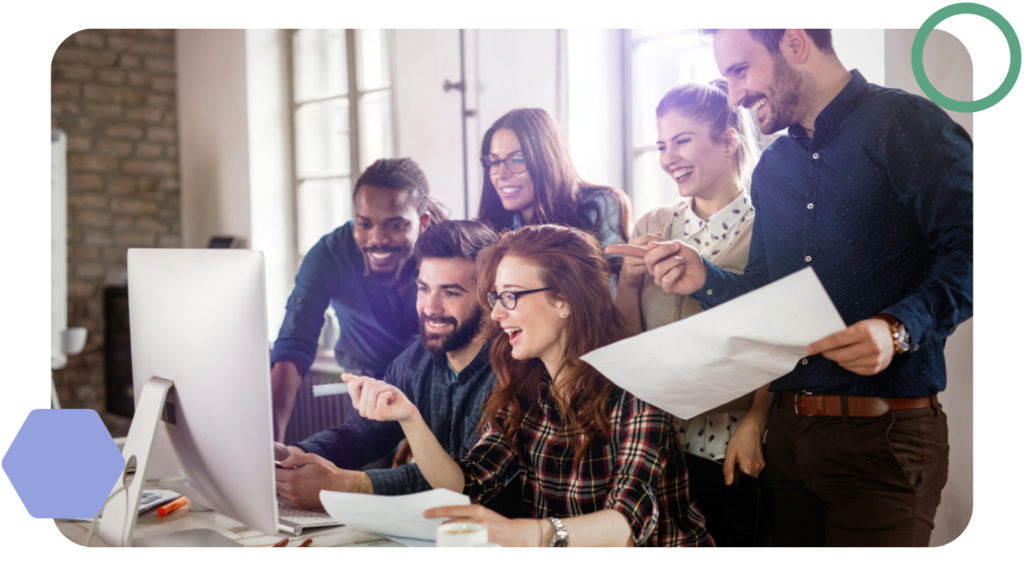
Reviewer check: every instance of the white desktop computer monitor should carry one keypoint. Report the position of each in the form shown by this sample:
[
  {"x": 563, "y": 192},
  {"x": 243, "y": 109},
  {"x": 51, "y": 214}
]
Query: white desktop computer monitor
[{"x": 198, "y": 319}]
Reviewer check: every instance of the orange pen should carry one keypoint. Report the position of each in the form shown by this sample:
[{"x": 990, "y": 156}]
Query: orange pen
[{"x": 171, "y": 506}]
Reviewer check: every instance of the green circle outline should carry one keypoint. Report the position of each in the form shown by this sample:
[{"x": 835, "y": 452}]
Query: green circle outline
[{"x": 917, "y": 57}]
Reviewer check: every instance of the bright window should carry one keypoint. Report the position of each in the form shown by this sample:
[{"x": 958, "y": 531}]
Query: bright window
[
  {"x": 657, "y": 60},
  {"x": 342, "y": 122}
]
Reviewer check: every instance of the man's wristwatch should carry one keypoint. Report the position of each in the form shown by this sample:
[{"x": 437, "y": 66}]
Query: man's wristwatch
[
  {"x": 561, "y": 539},
  {"x": 900, "y": 335}
]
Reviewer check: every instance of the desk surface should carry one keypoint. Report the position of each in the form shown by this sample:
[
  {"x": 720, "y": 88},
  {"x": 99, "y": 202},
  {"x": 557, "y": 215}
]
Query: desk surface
[{"x": 150, "y": 524}]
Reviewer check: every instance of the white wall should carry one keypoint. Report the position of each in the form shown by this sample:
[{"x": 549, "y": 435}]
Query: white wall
[
  {"x": 506, "y": 69},
  {"x": 235, "y": 173},
  {"x": 948, "y": 65},
  {"x": 270, "y": 176},
  {"x": 428, "y": 119},
  {"x": 213, "y": 126},
  {"x": 863, "y": 50}
]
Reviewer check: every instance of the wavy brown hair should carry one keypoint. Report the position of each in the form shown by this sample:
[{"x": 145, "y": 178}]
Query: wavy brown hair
[
  {"x": 572, "y": 263},
  {"x": 557, "y": 188}
]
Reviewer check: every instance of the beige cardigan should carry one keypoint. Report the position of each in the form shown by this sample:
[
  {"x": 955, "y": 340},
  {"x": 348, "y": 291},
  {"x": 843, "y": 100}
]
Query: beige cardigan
[{"x": 660, "y": 308}]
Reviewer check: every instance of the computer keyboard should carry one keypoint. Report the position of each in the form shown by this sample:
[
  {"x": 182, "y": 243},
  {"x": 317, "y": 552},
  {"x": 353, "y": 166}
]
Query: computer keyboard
[
  {"x": 148, "y": 498},
  {"x": 293, "y": 520}
]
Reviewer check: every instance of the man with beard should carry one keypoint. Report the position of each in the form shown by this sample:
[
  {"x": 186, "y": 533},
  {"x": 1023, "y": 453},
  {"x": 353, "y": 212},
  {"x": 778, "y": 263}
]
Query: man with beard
[
  {"x": 364, "y": 269},
  {"x": 873, "y": 187},
  {"x": 445, "y": 373}
]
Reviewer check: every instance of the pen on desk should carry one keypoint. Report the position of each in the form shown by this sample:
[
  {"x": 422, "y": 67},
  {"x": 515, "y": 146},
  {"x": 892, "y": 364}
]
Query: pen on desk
[
  {"x": 306, "y": 543},
  {"x": 171, "y": 506},
  {"x": 329, "y": 389},
  {"x": 281, "y": 544}
]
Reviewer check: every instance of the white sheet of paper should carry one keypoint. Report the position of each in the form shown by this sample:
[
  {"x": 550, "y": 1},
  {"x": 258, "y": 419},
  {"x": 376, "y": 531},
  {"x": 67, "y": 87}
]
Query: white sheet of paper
[
  {"x": 400, "y": 516},
  {"x": 689, "y": 367},
  {"x": 413, "y": 542}
]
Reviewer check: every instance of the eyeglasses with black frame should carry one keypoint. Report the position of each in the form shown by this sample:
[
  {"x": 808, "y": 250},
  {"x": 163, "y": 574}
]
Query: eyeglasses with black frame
[
  {"x": 508, "y": 298},
  {"x": 515, "y": 163}
]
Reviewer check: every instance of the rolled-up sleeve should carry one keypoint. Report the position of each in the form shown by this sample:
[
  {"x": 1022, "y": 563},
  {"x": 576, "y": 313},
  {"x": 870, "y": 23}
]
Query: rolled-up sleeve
[
  {"x": 639, "y": 464},
  {"x": 487, "y": 466},
  {"x": 404, "y": 479},
  {"x": 318, "y": 277}
]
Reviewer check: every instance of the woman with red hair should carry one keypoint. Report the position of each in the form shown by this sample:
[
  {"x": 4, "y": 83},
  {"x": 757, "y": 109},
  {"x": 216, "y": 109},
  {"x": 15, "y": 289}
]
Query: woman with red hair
[{"x": 595, "y": 466}]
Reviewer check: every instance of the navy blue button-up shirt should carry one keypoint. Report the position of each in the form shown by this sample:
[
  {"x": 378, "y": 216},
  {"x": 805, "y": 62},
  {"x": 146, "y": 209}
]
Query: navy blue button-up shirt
[
  {"x": 451, "y": 404},
  {"x": 880, "y": 204},
  {"x": 375, "y": 322}
]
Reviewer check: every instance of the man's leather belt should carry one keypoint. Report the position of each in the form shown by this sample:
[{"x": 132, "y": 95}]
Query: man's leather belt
[{"x": 857, "y": 406}]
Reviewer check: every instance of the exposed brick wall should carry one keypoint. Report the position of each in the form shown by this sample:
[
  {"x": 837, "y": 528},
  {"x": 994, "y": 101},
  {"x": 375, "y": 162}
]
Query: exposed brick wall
[{"x": 114, "y": 93}]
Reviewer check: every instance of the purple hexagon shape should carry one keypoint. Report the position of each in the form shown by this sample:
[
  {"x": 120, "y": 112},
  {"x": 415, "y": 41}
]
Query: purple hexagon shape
[{"x": 63, "y": 463}]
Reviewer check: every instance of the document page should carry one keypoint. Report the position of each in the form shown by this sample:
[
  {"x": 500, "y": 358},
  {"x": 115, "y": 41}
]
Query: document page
[
  {"x": 400, "y": 516},
  {"x": 689, "y": 367}
]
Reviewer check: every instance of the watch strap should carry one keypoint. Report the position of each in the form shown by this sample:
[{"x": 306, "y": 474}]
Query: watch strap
[
  {"x": 898, "y": 332},
  {"x": 561, "y": 537},
  {"x": 900, "y": 338}
]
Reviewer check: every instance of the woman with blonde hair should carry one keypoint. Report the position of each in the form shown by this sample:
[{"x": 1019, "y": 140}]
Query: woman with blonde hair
[
  {"x": 708, "y": 148},
  {"x": 592, "y": 464}
]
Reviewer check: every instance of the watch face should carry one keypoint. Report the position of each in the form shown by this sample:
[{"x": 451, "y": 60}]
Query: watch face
[{"x": 903, "y": 338}]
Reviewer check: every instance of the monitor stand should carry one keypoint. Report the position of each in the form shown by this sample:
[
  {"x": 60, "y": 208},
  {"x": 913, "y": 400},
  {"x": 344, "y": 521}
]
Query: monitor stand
[
  {"x": 54, "y": 401},
  {"x": 119, "y": 516}
]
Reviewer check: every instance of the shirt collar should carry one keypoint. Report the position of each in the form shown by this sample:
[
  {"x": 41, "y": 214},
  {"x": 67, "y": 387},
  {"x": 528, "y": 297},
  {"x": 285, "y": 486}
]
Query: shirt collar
[
  {"x": 479, "y": 362},
  {"x": 723, "y": 220},
  {"x": 838, "y": 109}
]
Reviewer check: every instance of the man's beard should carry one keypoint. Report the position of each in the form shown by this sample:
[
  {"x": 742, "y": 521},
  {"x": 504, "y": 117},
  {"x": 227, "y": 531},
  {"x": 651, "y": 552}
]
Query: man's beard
[
  {"x": 463, "y": 333},
  {"x": 783, "y": 97}
]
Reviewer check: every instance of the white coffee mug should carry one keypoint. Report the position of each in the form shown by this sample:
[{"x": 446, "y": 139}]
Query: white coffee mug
[{"x": 461, "y": 534}]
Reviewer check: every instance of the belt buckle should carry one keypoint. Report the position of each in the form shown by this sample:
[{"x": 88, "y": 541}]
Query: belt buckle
[{"x": 796, "y": 402}]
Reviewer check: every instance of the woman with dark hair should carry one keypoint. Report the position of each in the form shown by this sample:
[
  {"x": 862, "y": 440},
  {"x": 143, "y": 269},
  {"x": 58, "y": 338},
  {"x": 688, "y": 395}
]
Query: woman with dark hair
[
  {"x": 708, "y": 149},
  {"x": 530, "y": 179},
  {"x": 595, "y": 465}
]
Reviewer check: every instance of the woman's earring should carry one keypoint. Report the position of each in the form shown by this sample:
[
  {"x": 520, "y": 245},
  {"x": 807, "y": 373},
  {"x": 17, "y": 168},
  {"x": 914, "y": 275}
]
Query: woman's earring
[{"x": 563, "y": 314}]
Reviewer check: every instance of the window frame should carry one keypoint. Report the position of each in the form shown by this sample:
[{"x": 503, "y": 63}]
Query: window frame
[
  {"x": 354, "y": 95},
  {"x": 633, "y": 150}
]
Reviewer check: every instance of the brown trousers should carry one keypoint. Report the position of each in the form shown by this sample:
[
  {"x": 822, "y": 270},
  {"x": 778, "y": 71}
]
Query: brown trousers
[{"x": 838, "y": 481}]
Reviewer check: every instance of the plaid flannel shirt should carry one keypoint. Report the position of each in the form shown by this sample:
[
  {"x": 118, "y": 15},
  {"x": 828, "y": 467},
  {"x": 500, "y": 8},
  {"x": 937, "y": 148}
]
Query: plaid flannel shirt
[{"x": 638, "y": 470}]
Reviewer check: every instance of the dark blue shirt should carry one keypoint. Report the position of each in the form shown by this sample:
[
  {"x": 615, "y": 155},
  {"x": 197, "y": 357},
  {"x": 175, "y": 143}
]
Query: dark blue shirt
[
  {"x": 451, "y": 404},
  {"x": 375, "y": 322},
  {"x": 880, "y": 204}
]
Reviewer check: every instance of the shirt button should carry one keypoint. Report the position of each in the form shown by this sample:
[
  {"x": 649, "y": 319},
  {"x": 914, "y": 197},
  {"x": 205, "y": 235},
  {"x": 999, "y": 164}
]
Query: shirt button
[
  {"x": 810, "y": 206},
  {"x": 804, "y": 361},
  {"x": 807, "y": 258},
  {"x": 815, "y": 155},
  {"x": 707, "y": 244},
  {"x": 709, "y": 292}
]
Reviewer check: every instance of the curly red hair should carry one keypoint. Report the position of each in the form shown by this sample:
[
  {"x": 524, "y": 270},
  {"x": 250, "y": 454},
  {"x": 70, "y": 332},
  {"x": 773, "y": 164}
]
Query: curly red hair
[{"x": 572, "y": 263}]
